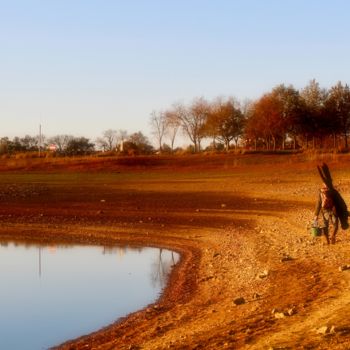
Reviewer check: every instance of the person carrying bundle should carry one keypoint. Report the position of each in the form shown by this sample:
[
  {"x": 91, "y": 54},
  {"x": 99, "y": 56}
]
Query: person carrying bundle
[
  {"x": 326, "y": 207},
  {"x": 331, "y": 205}
]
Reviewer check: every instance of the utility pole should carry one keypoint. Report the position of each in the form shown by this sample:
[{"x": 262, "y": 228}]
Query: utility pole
[{"x": 39, "y": 140}]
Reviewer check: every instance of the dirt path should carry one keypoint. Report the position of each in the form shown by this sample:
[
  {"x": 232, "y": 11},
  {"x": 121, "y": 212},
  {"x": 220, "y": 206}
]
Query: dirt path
[{"x": 242, "y": 234}]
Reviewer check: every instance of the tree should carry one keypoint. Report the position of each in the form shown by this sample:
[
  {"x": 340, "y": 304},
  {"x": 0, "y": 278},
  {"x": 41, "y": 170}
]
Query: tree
[
  {"x": 193, "y": 119},
  {"x": 61, "y": 142},
  {"x": 15, "y": 145},
  {"x": 211, "y": 126},
  {"x": 290, "y": 109},
  {"x": 137, "y": 143},
  {"x": 79, "y": 146},
  {"x": 24, "y": 144},
  {"x": 158, "y": 127},
  {"x": 30, "y": 143},
  {"x": 111, "y": 137},
  {"x": 275, "y": 117},
  {"x": 312, "y": 121},
  {"x": 338, "y": 110},
  {"x": 265, "y": 121},
  {"x": 225, "y": 122},
  {"x": 108, "y": 141},
  {"x": 172, "y": 126},
  {"x": 4, "y": 145},
  {"x": 251, "y": 133}
]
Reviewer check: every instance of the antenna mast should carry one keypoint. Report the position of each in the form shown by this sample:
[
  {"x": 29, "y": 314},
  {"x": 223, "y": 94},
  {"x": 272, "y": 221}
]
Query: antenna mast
[{"x": 39, "y": 140}]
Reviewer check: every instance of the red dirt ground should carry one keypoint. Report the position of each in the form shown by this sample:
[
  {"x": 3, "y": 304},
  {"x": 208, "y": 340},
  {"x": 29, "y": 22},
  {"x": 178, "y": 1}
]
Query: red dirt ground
[{"x": 239, "y": 223}]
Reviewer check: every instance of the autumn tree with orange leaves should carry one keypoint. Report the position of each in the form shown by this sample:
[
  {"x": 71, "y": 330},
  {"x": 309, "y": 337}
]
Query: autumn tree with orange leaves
[{"x": 266, "y": 122}]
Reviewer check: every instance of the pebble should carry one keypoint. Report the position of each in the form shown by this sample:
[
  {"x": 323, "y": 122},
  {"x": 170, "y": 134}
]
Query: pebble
[
  {"x": 292, "y": 311},
  {"x": 344, "y": 267},
  {"x": 323, "y": 330},
  {"x": 256, "y": 296},
  {"x": 286, "y": 258},
  {"x": 282, "y": 314},
  {"x": 239, "y": 301},
  {"x": 263, "y": 274}
]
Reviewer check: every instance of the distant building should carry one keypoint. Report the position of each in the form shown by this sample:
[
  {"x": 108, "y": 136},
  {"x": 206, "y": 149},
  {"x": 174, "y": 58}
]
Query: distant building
[{"x": 52, "y": 148}]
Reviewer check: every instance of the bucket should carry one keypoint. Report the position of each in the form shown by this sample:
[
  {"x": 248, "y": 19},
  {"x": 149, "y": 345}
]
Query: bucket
[{"x": 315, "y": 231}]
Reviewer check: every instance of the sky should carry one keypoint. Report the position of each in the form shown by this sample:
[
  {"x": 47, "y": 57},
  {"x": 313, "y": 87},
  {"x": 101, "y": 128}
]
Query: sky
[{"x": 80, "y": 67}]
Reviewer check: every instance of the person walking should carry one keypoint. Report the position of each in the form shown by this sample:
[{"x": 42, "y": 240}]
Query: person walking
[{"x": 326, "y": 207}]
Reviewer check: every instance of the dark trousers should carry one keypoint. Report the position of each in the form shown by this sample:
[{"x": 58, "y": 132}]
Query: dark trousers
[{"x": 330, "y": 225}]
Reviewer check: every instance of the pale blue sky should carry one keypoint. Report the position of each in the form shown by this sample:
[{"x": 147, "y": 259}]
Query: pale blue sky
[{"x": 83, "y": 66}]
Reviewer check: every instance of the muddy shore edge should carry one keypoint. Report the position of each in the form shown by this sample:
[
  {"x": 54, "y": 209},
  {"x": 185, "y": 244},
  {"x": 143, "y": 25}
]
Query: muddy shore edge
[{"x": 181, "y": 283}]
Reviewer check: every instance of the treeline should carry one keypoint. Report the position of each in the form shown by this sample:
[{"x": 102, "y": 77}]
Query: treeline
[
  {"x": 284, "y": 118},
  {"x": 60, "y": 144},
  {"x": 111, "y": 142},
  {"x": 313, "y": 117}
]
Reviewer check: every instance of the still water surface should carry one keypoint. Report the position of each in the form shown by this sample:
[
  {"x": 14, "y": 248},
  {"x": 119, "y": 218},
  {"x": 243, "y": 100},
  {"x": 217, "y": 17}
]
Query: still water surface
[{"x": 50, "y": 294}]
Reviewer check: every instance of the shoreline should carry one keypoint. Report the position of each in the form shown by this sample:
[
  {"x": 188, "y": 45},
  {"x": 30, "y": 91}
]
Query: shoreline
[{"x": 174, "y": 291}]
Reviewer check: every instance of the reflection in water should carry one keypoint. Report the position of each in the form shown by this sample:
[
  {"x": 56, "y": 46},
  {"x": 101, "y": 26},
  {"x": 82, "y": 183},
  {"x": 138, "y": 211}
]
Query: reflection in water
[
  {"x": 79, "y": 289},
  {"x": 161, "y": 267},
  {"x": 40, "y": 262}
]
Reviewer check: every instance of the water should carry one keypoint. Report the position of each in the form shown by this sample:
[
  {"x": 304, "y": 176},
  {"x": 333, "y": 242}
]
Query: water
[{"x": 50, "y": 294}]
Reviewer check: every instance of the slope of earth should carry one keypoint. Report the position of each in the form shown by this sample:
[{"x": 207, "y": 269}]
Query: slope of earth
[{"x": 251, "y": 275}]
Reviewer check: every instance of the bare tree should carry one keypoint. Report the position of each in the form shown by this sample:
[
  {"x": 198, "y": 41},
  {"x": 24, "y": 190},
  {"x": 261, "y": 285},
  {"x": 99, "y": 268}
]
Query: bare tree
[
  {"x": 61, "y": 142},
  {"x": 172, "y": 126},
  {"x": 108, "y": 141},
  {"x": 158, "y": 127},
  {"x": 160, "y": 269},
  {"x": 101, "y": 144},
  {"x": 193, "y": 119},
  {"x": 31, "y": 143}
]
